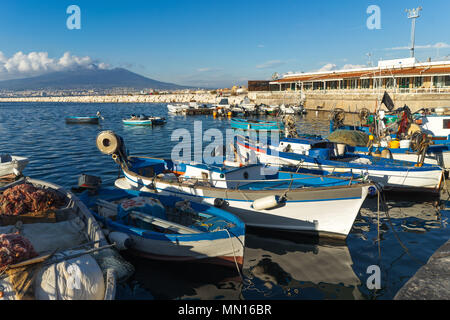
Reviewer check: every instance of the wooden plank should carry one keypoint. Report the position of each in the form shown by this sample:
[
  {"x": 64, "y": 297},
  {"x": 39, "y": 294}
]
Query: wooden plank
[{"x": 164, "y": 223}]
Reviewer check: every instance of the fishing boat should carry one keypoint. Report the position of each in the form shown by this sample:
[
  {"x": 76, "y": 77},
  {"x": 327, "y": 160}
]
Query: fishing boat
[
  {"x": 323, "y": 155},
  {"x": 176, "y": 107},
  {"x": 83, "y": 120},
  {"x": 12, "y": 165},
  {"x": 261, "y": 197},
  {"x": 425, "y": 141},
  {"x": 52, "y": 234},
  {"x": 248, "y": 106},
  {"x": 143, "y": 121},
  {"x": 256, "y": 125},
  {"x": 167, "y": 227}
]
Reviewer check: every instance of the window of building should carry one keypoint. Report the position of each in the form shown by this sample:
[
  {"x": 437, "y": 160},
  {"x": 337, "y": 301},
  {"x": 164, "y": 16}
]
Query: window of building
[
  {"x": 389, "y": 83},
  {"x": 404, "y": 83},
  {"x": 365, "y": 83},
  {"x": 441, "y": 81},
  {"x": 332, "y": 84},
  {"x": 317, "y": 85},
  {"x": 418, "y": 82}
]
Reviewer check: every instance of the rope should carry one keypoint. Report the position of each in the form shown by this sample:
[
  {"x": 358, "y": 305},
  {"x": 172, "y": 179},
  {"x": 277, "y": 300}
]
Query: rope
[
  {"x": 234, "y": 256},
  {"x": 395, "y": 233}
]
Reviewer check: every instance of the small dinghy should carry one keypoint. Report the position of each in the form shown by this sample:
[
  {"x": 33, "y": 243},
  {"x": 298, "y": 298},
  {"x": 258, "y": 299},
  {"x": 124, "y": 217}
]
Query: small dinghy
[
  {"x": 167, "y": 227},
  {"x": 12, "y": 165},
  {"x": 143, "y": 120},
  {"x": 85, "y": 120},
  {"x": 47, "y": 235}
]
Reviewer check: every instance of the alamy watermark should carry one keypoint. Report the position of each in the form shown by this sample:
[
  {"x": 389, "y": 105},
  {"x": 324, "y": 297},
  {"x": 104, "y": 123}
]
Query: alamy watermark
[
  {"x": 74, "y": 20},
  {"x": 374, "y": 280},
  {"x": 374, "y": 20},
  {"x": 212, "y": 147}
]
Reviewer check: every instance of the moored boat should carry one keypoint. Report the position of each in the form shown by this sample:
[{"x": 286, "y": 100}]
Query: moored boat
[
  {"x": 169, "y": 228},
  {"x": 12, "y": 165},
  {"x": 143, "y": 121},
  {"x": 330, "y": 157},
  {"x": 51, "y": 234},
  {"x": 317, "y": 205},
  {"x": 83, "y": 120}
]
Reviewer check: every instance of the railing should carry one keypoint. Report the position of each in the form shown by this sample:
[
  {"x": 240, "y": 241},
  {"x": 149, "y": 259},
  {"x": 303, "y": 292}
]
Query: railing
[{"x": 378, "y": 90}]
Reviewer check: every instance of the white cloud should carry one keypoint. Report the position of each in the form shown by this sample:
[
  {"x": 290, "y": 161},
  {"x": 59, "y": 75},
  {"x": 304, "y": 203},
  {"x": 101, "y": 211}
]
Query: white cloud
[
  {"x": 208, "y": 69},
  {"x": 22, "y": 65},
  {"x": 270, "y": 64},
  {"x": 353, "y": 66},
  {"x": 438, "y": 45},
  {"x": 260, "y": 46},
  {"x": 328, "y": 67}
]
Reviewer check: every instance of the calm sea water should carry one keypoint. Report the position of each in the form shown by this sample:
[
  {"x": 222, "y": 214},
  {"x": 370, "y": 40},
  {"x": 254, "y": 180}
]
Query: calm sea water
[{"x": 274, "y": 268}]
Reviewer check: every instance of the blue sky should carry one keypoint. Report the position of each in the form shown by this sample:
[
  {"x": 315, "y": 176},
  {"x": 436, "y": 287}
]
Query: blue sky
[{"x": 214, "y": 43}]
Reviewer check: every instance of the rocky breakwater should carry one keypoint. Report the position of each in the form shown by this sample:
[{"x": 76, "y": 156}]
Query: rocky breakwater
[{"x": 163, "y": 98}]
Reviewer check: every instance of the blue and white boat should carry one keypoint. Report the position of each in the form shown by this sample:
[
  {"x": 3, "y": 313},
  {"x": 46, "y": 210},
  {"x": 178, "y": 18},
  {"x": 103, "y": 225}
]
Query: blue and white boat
[
  {"x": 168, "y": 227},
  {"x": 261, "y": 196},
  {"x": 330, "y": 157},
  {"x": 256, "y": 125},
  {"x": 143, "y": 121},
  {"x": 83, "y": 120}
]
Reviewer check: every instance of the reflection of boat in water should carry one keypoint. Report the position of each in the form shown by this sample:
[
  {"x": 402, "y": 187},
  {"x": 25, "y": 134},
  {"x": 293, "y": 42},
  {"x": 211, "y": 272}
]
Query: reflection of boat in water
[
  {"x": 300, "y": 269},
  {"x": 181, "y": 280}
]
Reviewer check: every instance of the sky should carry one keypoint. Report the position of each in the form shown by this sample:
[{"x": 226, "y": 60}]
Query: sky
[{"x": 215, "y": 43}]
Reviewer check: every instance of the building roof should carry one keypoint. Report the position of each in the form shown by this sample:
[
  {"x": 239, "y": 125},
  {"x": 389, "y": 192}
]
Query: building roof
[{"x": 383, "y": 70}]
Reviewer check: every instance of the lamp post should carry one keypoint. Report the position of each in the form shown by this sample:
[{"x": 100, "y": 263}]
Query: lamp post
[{"x": 413, "y": 14}]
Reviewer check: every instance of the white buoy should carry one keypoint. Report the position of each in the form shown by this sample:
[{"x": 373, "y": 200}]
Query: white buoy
[
  {"x": 122, "y": 240},
  {"x": 265, "y": 203}
]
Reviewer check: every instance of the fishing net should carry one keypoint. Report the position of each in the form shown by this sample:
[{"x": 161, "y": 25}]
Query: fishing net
[
  {"x": 352, "y": 138},
  {"x": 15, "y": 248},
  {"x": 25, "y": 198}
]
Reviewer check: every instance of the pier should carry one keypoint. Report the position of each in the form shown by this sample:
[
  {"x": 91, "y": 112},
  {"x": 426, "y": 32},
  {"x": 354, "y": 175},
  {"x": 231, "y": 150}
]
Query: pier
[{"x": 431, "y": 281}]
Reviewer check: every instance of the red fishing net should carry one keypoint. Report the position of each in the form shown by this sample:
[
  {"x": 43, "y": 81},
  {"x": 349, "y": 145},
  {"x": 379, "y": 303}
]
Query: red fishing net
[
  {"x": 14, "y": 248},
  {"x": 25, "y": 198}
]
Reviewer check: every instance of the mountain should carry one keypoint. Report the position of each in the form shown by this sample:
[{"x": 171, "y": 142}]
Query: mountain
[{"x": 84, "y": 78}]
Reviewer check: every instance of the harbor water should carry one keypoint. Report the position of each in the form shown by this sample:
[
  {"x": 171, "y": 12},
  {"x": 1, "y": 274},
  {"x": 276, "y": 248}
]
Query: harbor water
[{"x": 275, "y": 266}]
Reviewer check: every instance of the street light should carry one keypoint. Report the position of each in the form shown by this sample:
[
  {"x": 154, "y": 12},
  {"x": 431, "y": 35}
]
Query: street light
[{"x": 413, "y": 14}]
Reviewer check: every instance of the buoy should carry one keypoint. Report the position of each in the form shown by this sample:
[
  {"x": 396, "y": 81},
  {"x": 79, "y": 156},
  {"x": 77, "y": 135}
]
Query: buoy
[
  {"x": 394, "y": 144},
  {"x": 122, "y": 240},
  {"x": 265, "y": 203},
  {"x": 230, "y": 113}
]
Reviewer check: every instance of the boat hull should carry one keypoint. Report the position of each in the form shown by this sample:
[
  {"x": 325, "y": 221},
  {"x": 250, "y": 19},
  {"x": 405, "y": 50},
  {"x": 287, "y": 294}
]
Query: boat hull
[
  {"x": 327, "y": 211},
  {"x": 83, "y": 120},
  {"x": 399, "y": 179}
]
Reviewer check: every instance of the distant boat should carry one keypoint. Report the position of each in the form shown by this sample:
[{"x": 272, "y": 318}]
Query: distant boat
[
  {"x": 143, "y": 121},
  {"x": 84, "y": 120},
  {"x": 256, "y": 125}
]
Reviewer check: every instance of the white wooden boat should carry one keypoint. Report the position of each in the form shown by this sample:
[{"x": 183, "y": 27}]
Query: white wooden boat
[
  {"x": 322, "y": 155},
  {"x": 317, "y": 205},
  {"x": 72, "y": 238},
  {"x": 12, "y": 165}
]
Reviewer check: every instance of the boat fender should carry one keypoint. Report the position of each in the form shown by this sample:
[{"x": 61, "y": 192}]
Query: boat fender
[
  {"x": 122, "y": 240},
  {"x": 265, "y": 203}
]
